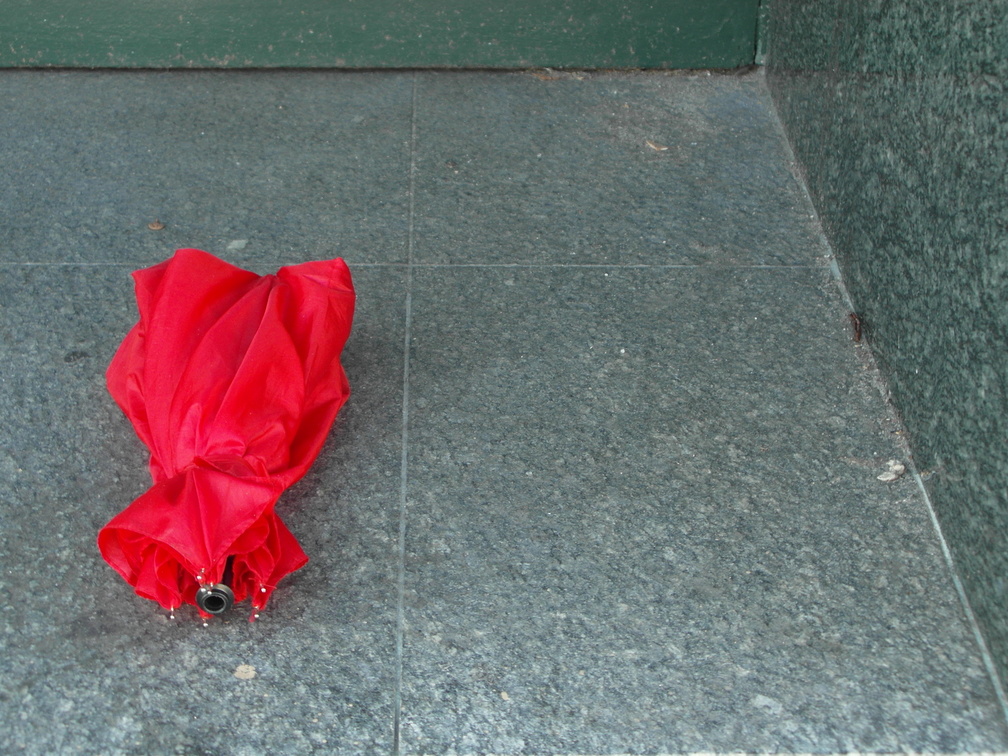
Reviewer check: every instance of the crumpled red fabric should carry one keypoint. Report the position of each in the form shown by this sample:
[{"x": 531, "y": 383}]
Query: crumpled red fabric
[{"x": 233, "y": 381}]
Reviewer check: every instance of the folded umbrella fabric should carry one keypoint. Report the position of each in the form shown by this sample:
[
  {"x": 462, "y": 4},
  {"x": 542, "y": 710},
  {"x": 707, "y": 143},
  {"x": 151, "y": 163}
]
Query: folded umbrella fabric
[{"x": 232, "y": 380}]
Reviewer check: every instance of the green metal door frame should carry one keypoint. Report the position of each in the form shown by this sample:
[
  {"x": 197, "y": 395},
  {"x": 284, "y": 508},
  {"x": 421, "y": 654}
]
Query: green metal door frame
[{"x": 377, "y": 33}]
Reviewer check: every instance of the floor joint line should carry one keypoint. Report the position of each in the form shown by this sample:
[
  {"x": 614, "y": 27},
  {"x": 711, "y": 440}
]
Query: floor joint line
[
  {"x": 985, "y": 655},
  {"x": 404, "y": 460}
]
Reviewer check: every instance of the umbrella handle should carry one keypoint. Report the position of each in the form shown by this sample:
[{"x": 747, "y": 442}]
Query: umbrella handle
[{"x": 217, "y": 599}]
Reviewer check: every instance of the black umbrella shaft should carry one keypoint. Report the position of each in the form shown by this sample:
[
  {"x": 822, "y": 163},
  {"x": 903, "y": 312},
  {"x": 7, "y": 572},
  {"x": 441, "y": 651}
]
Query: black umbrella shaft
[{"x": 228, "y": 571}]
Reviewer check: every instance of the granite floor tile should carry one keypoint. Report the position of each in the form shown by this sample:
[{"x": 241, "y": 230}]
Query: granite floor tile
[
  {"x": 313, "y": 163},
  {"x": 604, "y": 168},
  {"x": 641, "y": 510},
  {"x": 87, "y": 666},
  {"x": 644, "y": 516}
]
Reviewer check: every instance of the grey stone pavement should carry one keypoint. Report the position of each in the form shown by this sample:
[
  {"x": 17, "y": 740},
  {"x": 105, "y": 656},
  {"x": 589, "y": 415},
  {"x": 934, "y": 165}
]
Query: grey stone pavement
[{"x": 608, "y": 479}]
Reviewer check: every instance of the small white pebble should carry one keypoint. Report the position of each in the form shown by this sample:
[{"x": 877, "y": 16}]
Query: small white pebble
[{"x": 505, "y": 696}]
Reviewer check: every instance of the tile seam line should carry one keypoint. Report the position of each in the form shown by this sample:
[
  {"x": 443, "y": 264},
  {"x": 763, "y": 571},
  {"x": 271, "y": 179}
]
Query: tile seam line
[
  {"x": 404, "y": 459},
  {"x": 950, "y": 565},
  {"x": 750, "y": 753},
  {"x": 610, "y": 266},
  {"x": 985, "y": 655},
  {"x": 414, "y": 265}
]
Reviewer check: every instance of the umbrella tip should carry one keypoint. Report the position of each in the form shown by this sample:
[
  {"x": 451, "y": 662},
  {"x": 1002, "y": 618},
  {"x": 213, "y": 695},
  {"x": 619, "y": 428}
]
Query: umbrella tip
[
  {"x": 218, "y": 598},
  {"x": 215, "y": 599}
]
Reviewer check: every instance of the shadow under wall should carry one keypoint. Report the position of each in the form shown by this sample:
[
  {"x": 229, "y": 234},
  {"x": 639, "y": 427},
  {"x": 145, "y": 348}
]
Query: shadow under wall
[{"x": 898, "y": 114}]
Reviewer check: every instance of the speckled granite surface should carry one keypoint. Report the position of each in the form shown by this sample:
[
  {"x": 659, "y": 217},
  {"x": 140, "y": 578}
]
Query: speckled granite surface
[
  {"x": 649, "y": 522},
  {"x": 637, "y": 509},
  {"x": 897, "y": 111},
  {"x": 303, "y": 171}
]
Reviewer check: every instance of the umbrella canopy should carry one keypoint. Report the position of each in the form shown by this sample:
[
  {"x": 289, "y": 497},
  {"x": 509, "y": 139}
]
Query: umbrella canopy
[{"x": 232, "y": 380}]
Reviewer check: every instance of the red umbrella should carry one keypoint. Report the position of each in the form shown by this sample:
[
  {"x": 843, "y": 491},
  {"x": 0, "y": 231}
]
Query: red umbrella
[{"x": 232, "y": 380}]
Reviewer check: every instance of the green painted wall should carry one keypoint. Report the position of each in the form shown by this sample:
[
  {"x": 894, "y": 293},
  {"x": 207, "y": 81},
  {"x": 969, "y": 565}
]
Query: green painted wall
[
  {"x": 378, "y": 33},
  {"x": 898, "y": 111}
]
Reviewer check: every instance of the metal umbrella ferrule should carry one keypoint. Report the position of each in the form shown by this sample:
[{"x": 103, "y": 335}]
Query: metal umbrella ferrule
[
  {"x": 215, "y": 599},
  {"x": 218, "y": 598}
]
